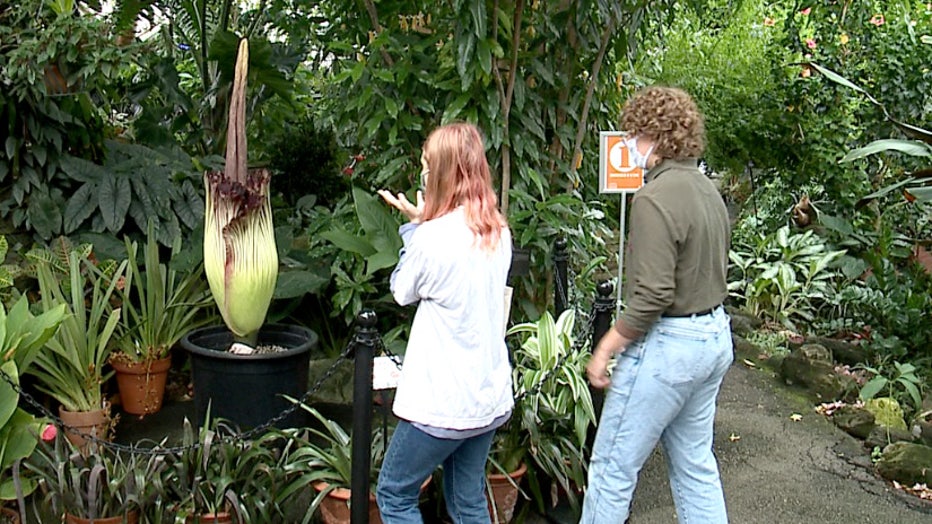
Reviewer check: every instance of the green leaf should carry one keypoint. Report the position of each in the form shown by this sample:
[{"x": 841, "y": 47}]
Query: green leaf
[
  {"x": 348, "y": 241},
  {"x": 10, "y": 147},
  {"x": 484, "y": 52},
  {"x": 838, "y": 79},
  {"x": 376, "y": 219},
  {"x": 886, "y": 190},
  {"x": 190, "y": 207},
  {"x": 44, "y": 216},
  {"x": 913, "y": 391},
  {"x": 922, "y": 194},
  {"x": 910, "y": 147},
  {"x": 115, "y": 197},
  {"x": 298, "y": 283},
  {"x": 873, "y": 386},
  {"x": 8, "y": 396},
  {"x": 82, "y": 170},
  {"x": 453, "y": 110},
  {"x": 464, "y": 53},
  {"x": 80, "y": 207},
  {"x": 478, "y": 18}
]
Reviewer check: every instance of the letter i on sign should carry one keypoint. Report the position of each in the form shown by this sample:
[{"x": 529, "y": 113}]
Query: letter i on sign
[{"x": 616, "y": 172}]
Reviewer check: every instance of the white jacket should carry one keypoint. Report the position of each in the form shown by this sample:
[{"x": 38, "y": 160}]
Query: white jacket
[{"x": 456, "y": 372}]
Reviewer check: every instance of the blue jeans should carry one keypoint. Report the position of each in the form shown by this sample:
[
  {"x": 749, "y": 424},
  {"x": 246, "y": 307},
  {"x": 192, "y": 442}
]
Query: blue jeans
[
  {"x": 413, "y": 455},
  {"x": 663, "y": 389}
]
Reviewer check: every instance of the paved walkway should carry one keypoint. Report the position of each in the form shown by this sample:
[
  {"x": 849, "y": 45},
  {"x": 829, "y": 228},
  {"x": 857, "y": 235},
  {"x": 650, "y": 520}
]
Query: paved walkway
[{"x": 779, "y": 471}]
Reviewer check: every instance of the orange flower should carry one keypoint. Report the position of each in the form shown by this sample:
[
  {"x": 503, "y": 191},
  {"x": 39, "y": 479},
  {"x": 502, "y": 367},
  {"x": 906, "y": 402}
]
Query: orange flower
[
  {"x": 769, "y": 22},
  {"x": 806, "y": 72}
]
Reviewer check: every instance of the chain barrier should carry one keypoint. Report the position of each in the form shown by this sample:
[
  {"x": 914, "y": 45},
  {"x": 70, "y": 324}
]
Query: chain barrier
[
  {"x": 380, "y": 348},
  {"x": 174, "y": 450},
  {"x": 578, "y": 343}
]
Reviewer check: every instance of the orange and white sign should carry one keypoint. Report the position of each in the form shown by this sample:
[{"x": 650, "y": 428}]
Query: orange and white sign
[{"x": 616, "y": 172}]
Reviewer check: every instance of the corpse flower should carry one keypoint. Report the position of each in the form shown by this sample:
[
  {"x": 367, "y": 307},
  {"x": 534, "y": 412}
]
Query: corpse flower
[{"x": 240, "y": 257}]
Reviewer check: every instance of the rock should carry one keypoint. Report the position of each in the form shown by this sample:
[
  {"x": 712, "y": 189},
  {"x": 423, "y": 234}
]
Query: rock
[
  {"x": 743, "y": 347},
  {"x": 882, "y": 436},
  {"x": 811, "y": 366},
  {"x": 843, "y": 351},
  {"x": 742, "y": 324},
  {"x": 887, "y": 412},
  {"x": 855, "y": 421},
  {"x": 338, "y": 388},
  {"x": 906, "y": 463},
  {"x": 925, "y": 431}
]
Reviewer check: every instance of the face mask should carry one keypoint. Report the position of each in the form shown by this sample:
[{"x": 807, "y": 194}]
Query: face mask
[{"x": 636, "y": 157}]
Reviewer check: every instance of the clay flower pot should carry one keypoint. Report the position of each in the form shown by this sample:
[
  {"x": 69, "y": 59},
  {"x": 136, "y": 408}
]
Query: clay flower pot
[
  {"x": 334, "y": 509},
  {"x": 79, "y": 423},
  {"x": 131, "y": 518},
  {"x": 505, "y": 494},
  {"x": 209, "y": 518},
  {"x": 142, "y": 384}
]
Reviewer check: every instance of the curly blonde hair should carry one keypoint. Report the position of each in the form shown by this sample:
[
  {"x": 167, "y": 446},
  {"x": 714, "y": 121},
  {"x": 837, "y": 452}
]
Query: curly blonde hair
[{"x": 670, "y": 118}]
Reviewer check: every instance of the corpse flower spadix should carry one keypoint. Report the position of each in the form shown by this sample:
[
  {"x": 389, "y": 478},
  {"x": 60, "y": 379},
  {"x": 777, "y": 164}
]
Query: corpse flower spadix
[{"x": 240, "y": 257}]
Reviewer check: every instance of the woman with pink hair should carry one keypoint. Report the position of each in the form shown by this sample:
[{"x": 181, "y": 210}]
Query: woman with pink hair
[{"x": 455, "y": 387}]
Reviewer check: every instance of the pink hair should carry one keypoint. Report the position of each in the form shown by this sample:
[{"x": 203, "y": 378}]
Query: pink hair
[{"x": 459, "y": 176}]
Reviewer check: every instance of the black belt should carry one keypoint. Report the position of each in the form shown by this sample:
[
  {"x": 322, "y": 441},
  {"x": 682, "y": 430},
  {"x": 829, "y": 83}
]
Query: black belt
[{"x": 698, "y": 313}]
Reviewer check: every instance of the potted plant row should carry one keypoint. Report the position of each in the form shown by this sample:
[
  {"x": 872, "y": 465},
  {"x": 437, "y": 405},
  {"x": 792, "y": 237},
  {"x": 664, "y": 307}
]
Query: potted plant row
[
  {"x": 160, "y": 305},
  {"x": 71, "y": 368},
  {"x": 322, "y": 458},
  {"x": 103, "y": 487}
]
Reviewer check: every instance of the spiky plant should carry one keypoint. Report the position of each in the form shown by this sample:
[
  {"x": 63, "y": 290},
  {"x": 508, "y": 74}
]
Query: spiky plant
[{"x": 240, "y": 257}]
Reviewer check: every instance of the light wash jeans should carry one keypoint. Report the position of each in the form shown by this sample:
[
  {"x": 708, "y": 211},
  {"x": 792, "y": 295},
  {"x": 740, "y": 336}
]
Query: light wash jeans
[
  {"x": 413, "y": 455},
  {"x": 663, "y": 388}
]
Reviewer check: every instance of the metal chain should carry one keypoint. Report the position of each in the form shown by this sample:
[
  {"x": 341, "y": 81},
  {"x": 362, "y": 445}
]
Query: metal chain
[
  {"x": 177, "y": 449},
  {"x": 380, "y": 346},
  {"x": 578, "y": 345}
]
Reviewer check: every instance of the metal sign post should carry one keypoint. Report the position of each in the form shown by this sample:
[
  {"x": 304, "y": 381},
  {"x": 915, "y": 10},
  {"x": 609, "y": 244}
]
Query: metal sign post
[{"x": 618, "y": 175}]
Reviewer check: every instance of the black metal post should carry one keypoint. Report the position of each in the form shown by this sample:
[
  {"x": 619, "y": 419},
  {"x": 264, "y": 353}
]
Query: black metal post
[
  {"x": 602, "y": 311},
  {"x": 367, "y": 337},
  {"x": 560, "y": 283}
]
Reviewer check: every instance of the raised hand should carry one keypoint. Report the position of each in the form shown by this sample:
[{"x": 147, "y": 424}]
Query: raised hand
[{"x": 400, "y": 202}]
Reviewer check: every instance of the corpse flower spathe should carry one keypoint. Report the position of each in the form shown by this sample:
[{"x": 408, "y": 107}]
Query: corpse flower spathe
[{"x": 240, "y": 257}]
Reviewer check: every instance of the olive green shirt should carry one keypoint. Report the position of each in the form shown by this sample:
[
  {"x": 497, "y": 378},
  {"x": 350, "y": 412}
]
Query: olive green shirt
[{"x": 677, "y": 257}]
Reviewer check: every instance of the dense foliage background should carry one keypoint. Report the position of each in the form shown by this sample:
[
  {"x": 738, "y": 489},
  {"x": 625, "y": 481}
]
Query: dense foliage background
[{"x": 109, "y": 119}]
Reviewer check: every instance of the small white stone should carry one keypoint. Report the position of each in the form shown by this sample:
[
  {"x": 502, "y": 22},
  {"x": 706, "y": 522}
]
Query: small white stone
[{"x": 239, "y": 348}]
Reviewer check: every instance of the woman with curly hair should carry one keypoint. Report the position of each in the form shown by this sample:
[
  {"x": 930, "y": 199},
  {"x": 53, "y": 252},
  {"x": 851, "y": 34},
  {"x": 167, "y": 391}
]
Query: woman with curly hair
[
  {"x": 673, "y": 340},
  {"x": 455, "y": 386}
]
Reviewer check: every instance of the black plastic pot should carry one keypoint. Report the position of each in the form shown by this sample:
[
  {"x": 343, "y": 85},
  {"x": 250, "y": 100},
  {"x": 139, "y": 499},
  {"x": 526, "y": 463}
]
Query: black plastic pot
[{"x": 247, "y": 389}]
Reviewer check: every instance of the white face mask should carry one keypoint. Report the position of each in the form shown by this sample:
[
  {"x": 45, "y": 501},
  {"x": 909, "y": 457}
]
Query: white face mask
[{"x": 636, "y": 157}]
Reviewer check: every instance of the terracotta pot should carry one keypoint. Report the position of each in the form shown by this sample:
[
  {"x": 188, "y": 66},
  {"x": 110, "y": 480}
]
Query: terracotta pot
[
  {"x": 95, "y": 423},
  {"x": 142, "y": 384},
  {"x": 130, "y": 518},
  {"x": 334, "y": 509},
  {"x": 9, "y": 515},
  {"x": 504, "y": 494},
  {"x": 210, "y": 518}
]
